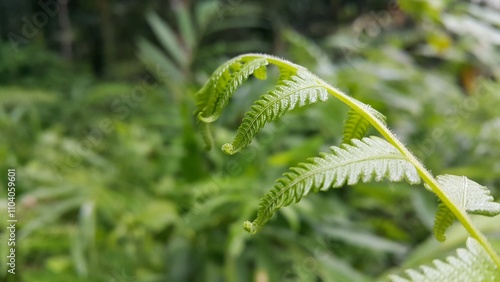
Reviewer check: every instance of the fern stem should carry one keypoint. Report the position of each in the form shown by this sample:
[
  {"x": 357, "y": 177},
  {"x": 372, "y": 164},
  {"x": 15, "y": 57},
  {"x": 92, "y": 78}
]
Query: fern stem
[{"x": 422, "y": 171}]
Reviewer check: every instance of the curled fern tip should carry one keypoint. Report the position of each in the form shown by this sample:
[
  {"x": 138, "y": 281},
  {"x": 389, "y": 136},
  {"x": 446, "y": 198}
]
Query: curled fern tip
[
  {"x": 209, "y": 119},
  {"x": 228, "y": 149},
  {"x": 249, "y": 227}
]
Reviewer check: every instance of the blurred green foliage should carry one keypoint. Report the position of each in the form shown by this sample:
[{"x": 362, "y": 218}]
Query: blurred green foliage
[{"x": 114, "y": 183}]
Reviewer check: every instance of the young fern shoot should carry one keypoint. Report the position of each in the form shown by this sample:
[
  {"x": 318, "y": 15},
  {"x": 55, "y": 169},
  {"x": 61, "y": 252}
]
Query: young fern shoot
[{"x": 357, "y": 159}]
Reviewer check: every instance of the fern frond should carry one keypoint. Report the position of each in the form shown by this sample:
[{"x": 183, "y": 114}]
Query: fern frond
[
  {"x": 366, "y": 160},
  {"x": 465, "y": 194},
  {"x": 356, "y": 126},
  {"x": 215, "y": 94},
  {"x": 293, "y": 90},
  {"x": 355, "y": 160},
  {"x": 470, "y": 264}
]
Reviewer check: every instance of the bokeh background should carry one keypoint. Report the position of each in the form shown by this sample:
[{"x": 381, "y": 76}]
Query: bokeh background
[{"x": 114, "y": 184}]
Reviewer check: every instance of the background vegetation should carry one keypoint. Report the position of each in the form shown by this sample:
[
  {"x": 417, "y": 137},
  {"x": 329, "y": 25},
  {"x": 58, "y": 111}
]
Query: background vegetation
[{"x": 114, "y": 184}]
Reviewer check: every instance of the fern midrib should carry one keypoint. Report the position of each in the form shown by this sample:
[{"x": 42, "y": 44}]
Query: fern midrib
[
  {"x": 246, "y": 133},
  {"x": 462, "y": 216},
  {"x": 464, "y": 193},
  {"x": 329, "y": 167}
]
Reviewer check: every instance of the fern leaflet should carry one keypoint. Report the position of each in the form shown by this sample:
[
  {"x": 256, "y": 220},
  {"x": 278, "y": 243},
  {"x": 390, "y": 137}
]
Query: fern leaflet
[
  {"x": 467, "y": 195},
  {"x": 365, "y": 160},
  {"x": 471, "y": 264},
  {"x": 261, "y": 73},
  {"x": 356, "y": 126},
  {"x": 215, "y": 94},
  {"x": 442, "y": 221},
  {"x": 292, "y": 91}
]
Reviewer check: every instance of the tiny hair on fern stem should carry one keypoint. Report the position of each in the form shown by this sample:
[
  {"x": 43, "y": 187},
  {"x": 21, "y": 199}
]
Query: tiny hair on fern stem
[{"x": 357, "y": 159}]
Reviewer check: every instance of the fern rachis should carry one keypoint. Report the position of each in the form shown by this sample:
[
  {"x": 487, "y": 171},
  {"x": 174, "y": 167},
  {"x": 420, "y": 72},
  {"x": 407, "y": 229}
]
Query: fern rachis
[{"x": 355, "y": 160}]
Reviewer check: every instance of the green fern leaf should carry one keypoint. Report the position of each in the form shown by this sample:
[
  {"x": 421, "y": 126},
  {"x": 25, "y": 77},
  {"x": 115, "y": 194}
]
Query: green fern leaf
[
  {"x": 470, "y": 264},
  {"x": 442, "y": 221},
  {"x": 293, "y": 90},
  {"x": 215, "y": 94},
  {"x": 366, "y": 160},
  {"x": 467, "y": 195},
  {"x": 356, "y": 126},
  {"x": 261, "y": 73}
]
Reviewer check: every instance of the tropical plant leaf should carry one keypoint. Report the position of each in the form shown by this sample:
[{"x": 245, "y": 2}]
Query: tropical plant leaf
[
  {"x": 467, "y": 195},
  {"x": 356, "y": 126},
  {"x": 293, "y": 90},
  {"x": 167, "y": 38},
  {"x": 366, "y": 160},
  {"x": 204, "y": 12},
  {"x": 470, "y": 264},
  {"x": 215, "y": 94},
  {"x": 151, "y": 55},
  {"x": 185, "y": 23}
]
